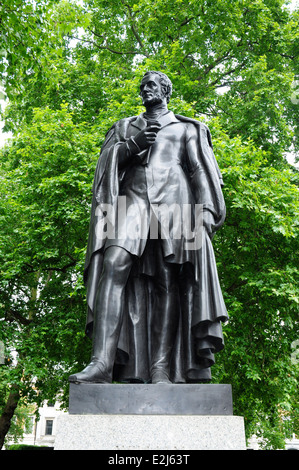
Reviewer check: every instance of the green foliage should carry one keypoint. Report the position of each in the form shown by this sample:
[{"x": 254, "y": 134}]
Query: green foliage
[
  {"x": 235, "y": 61},
  {"x": 70, "y": 71},
  {"x": 256, "y": 252},
  {"x": 27, "y": 447},
  {"x": 46, "y": 179},
  {"x": 21, "y": 422}
]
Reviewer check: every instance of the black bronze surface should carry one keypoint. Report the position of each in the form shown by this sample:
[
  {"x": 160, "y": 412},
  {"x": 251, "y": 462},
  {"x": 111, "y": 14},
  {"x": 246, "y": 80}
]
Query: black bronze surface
[
  {"x": 143, "y": 399},
  {"x": 155, "y": 305}
]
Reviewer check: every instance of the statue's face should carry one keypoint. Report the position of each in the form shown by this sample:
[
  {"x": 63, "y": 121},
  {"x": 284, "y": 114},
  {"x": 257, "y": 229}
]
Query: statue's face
[{"x": 150, "y": 90}]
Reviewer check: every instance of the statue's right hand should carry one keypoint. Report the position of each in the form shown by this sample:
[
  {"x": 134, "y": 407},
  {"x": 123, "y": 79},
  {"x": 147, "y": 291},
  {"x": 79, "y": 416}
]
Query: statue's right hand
[{"x": 147, "y": 136}]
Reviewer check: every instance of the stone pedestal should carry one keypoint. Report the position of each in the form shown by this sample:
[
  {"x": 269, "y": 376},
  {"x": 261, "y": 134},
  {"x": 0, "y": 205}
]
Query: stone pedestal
[
  {"x": 150, "y": 417},
  {"x": 149, "y": 432},
  {"x": 148, "y": 399}
]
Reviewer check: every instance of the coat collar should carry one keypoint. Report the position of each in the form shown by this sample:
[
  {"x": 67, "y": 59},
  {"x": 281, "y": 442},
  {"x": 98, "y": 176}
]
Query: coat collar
[{"x": 164, "y": 120}]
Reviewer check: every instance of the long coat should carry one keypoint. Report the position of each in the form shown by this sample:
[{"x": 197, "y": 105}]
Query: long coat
[{"x": 180, "y": 167}]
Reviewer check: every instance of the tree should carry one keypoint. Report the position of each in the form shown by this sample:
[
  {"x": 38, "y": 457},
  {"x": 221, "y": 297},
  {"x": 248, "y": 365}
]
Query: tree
[
  {"x": 246, "y": 48},
  {"x": 257, "y": 249},
  {"x": 75, "y": 70},
  {"x": 45, "y": 209}
]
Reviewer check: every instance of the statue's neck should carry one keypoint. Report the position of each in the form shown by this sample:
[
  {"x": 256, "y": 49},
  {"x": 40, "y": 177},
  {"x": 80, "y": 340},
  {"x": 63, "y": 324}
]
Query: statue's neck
[{"x": 153, "y": 112}]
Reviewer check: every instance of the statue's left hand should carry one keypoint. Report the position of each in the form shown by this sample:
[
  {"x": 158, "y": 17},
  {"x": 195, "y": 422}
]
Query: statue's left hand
[{"x": 208, "y": 221}]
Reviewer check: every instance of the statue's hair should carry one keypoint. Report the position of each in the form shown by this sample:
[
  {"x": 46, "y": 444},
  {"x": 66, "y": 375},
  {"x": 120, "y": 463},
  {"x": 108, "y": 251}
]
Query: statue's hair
[{"x": 165, "y": 83}]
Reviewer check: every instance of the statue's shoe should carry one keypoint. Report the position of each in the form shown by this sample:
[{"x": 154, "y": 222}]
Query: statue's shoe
[
  {"x": 93, "y": 373},
  {"x": 160, "y": 377}
]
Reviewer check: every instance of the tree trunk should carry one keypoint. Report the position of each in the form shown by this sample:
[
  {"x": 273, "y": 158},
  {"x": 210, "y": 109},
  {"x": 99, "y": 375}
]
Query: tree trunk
[
  {"x": 8, "y": 412},
  {"x": 14, "y": 395}
]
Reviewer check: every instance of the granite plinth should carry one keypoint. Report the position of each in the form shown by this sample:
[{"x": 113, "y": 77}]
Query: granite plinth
[
  {"x": 148, "y": 399},
  {"x": 150, "y": 417},
  {"x": 149, "y": 432}
]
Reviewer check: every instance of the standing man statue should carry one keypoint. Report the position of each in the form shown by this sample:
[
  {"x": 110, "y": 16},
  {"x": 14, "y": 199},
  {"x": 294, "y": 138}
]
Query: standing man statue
[{"x": 155, "y": 305}]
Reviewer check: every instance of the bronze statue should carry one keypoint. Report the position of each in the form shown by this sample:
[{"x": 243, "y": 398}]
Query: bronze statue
[{"x": 155, "y": 305}]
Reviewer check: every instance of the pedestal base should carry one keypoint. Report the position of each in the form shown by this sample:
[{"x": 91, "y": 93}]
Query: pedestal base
[
  {"x": 149, "y": 432},
  {"x": 150, "y": 417}
]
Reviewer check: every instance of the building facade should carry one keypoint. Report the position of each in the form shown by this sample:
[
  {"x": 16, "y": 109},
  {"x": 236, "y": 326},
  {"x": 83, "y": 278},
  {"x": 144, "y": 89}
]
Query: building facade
[{"x": 43, "y": 430}]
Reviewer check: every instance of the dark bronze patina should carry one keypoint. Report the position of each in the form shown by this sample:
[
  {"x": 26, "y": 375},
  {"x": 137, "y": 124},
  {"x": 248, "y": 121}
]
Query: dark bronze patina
[{"x": 155, "y": 305}]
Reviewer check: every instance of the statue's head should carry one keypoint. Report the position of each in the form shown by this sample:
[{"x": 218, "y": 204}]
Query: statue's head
[{"x": 161, "y": 86}]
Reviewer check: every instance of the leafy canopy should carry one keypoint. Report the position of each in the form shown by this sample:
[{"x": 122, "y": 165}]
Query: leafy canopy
[{"x": 70, "y": 70}]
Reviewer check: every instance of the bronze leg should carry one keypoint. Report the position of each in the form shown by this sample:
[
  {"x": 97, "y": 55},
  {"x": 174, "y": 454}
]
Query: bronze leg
[
  {"x": 108, "y": 313},
  {"x": 164, "y": 322}
]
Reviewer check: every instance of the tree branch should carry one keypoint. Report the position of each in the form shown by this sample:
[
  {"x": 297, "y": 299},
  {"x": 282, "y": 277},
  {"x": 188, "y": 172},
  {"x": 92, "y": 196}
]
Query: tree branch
[
  {"x": 12, "y": 315},
  {"x": 186, "y": 21},
  {"x": 229, "y": 72},
  {"x": 236, "y": 285},
  {"x": 105, "y": 46},
  {"x": 134, "y": 28},
  {"x": 215, "y": 63}
]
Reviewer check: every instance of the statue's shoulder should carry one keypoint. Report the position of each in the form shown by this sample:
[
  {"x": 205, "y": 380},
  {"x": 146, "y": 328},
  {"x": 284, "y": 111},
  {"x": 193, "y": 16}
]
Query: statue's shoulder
[
  {"x": 119, "y": 127},
  {"x": 122, "y": 123},
  {"x": 202, "y": 128},
  {"x": 197, "y": 123}
]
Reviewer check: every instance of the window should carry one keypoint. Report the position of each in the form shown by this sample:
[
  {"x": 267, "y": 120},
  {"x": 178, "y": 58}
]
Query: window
[{"x": 49, "y": 427}]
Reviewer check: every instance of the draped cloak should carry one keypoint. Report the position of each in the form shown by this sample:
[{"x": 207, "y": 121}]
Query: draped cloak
[{"x": 202, "y": 308}]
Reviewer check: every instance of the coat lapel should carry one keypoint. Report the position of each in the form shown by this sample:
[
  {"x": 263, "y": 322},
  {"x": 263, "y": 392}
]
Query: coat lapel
[{"x": 164, "y": 120}]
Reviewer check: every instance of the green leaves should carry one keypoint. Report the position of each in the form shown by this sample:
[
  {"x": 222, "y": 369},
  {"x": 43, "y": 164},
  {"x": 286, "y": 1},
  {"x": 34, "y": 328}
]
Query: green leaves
[
  {"x": 70, "y": 71},
  {"x": 46, "y": 178},
  {"x": 235, "y": 61},
  {"x": 257, "y": 249}
]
